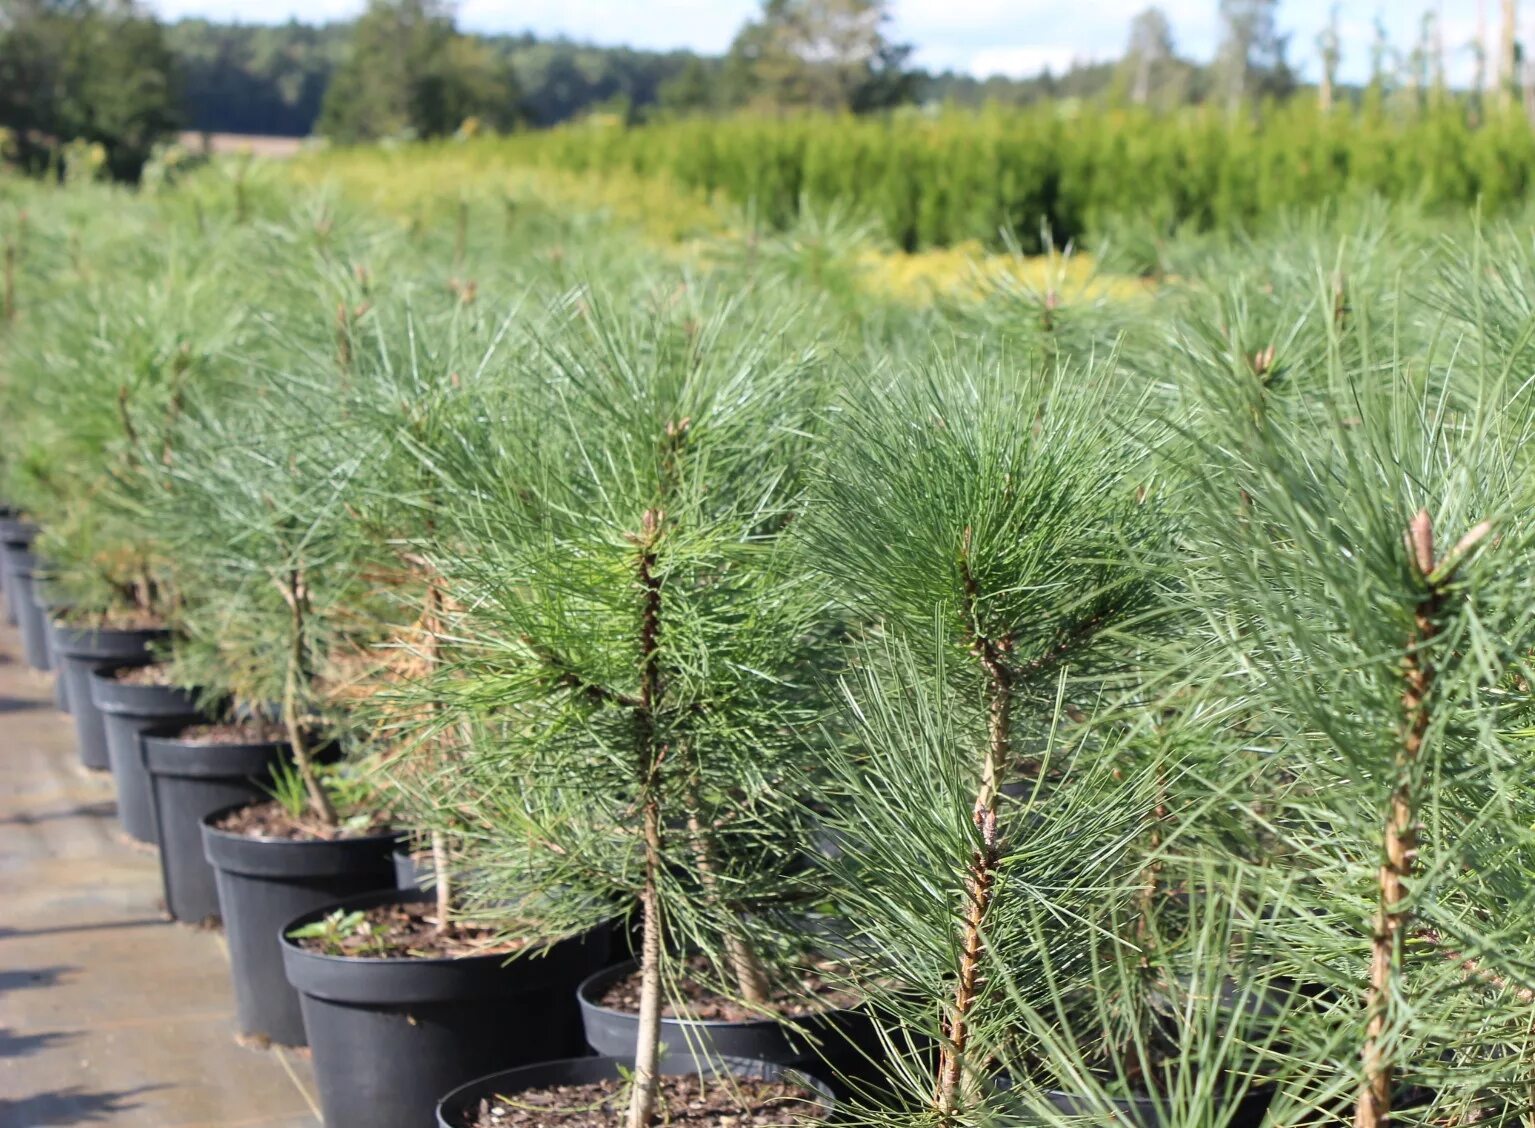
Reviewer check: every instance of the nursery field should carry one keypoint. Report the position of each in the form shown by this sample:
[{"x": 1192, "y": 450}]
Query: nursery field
[
  {"x": 615, "y": 661},
  {"x": 927, "y": 179}
]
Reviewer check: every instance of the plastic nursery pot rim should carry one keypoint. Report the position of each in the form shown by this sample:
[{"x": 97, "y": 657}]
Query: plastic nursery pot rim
[
  {"x": 405, "y": 979},
  {"x": 291, "y": 858},
  {"x": 1246, "y": 1109},
  {"x": 594, "y": 983},
  {"x": 106, "y": 644},
  {"x": 17, "y": 531},
  {"x": 23, "y": 562},
  {"x": 583, "y": 1070},
  {"x": 111, "y": 696},
  {"x": 166, "y": 755}
]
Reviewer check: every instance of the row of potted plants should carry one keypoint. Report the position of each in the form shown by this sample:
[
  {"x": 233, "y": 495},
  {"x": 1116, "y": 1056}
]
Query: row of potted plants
[{"x": 991, "y": 715}]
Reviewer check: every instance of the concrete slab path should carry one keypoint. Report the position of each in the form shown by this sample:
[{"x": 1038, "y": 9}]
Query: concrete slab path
[{"x": 110, "y": 1014}]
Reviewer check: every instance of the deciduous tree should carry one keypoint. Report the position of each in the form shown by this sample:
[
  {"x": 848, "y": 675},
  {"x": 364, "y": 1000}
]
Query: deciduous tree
[
  {"x": 822, "y": 54},
  {"x": 91, "y": 70},
  {"x": 409, "y": 72}
]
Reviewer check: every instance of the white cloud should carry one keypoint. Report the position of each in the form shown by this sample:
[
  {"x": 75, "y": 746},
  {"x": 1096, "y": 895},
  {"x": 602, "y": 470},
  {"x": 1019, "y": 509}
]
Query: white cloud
[
  {"x": 259, "y": 11},
  {"x": 1023, "y": 61},
  {"x": 704, "y": 25}
]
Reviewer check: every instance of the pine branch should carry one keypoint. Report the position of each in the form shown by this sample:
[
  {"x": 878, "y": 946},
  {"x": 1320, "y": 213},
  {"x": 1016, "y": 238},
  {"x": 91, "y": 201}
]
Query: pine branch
[{"x": 566, "y": 675}]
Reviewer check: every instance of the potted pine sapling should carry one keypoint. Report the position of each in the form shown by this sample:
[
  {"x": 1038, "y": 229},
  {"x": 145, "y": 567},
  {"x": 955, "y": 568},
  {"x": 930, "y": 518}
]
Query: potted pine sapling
[
  {"x": 402, "y": 406},
  {"x": 898, "y": 798},
  {"x": 1373, "y": 583},
  {"x": 105, "y": 406},
  {"x": 409, "y": 994},
  {"x": 257, "y": 521},
  {"x": 108, "y": 554},
  {"x": 1174, "y": 1015},
  {"x": 223, "y": 752},
  {"x": 103, "y": 373},
  {"x": 109, "y": 573},
  {"x": 1003, "y": 510},
  {"x": 1208, "y": 1037},
  {"x": 633, "y": 620}
]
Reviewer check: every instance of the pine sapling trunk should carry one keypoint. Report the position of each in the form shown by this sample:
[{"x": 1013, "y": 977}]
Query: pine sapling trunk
[
  {"x": 442, "y": 876},
  {"x": 1400, "y": 845},
  {"x": 296, "y": 593},
  {"x": 647, "y": 1048},
  {"x": 650, "y": 750},
  {"x": 750, "y": 976},
  {"x": 441, "y": 880},
  {"x": 1151, "y": 875},
  {"x": 745, "y": 967},
  {"x": 980, "y": 882}
]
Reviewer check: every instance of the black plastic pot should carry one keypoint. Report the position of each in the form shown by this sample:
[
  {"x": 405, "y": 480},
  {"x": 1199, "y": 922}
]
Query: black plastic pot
[
  {"x": 390, "y": 1036},
  {"x": 85, "y": 650},
  {"x": 50, "y": 611},
  {"x": 190, "y": 781},
  {"x": 843, "y": 1039},
  {"x": 126, "y": 712},
  {"x": 20, "y": 568},
  {"x": 411, "y": 874},
  {"x": 454, "y": 1110},
  {"x": 263, "y": 884},
  {"x": 16, "y": 529},
  {"x": 6, "y": 513},
  {"x": 1142, "y": 1112},
  {"x": 16, "y": 537}
]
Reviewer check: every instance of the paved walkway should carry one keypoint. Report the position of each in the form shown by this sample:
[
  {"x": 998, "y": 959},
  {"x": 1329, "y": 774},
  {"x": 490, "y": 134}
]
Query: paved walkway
[{"x": 109, "y": 1013}]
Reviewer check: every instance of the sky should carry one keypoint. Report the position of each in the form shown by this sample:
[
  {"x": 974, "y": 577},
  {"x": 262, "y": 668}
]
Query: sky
[{"x": 980, "y": 37}]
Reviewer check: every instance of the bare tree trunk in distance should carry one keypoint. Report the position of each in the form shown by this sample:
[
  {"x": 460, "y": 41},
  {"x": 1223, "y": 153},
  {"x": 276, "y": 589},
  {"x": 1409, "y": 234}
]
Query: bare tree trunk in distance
[{"x": 1508, "y": 76}]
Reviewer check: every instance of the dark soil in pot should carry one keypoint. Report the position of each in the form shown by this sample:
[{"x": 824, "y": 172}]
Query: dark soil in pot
[
  {"x": 592, "y": 1093},
  {"x": 83, "y": 650},
  {"x": 264, "y": 882},
  {"x": 837, "y": 1039},
  {"x": 390, "y": 1033},
  {"x": 194, "y": 771},
  {"x": 129, "y": 705}
]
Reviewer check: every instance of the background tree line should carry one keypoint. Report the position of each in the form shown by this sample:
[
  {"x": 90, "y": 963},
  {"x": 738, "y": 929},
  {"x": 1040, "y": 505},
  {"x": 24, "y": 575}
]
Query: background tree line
[
  {"x": 105, "y": 72},
  {"x": 242, "y": 78}
]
